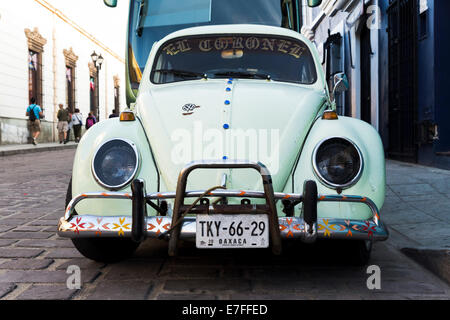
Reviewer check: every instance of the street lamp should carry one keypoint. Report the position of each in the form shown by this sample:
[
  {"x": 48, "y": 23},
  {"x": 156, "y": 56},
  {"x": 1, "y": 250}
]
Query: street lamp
[{"x": 97, "y": 60}]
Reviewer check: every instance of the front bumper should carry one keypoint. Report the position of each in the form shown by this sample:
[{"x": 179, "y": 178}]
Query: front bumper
[
  {"x": 86, "y": 226},
  {"x": 140, "y": 226}
]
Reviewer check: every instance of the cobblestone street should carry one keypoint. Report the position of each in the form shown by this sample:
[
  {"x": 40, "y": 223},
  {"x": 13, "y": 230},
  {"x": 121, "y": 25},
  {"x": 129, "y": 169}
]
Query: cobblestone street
[{"x": 34, "y": 260}]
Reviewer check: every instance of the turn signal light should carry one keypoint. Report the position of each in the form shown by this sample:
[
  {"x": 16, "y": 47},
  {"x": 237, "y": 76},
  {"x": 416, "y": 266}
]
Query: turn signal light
[
  {"x": 329, "y": 115},
  {"x": 127, "y": 115}
]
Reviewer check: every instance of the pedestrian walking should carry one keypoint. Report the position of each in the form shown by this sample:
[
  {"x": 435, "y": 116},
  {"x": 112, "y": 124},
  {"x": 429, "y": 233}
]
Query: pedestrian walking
[
  {"x": 77, "y": 121},
  {"x": 34, "y": 114},
  {"x": 90, "y": 120},
  {"x": 113, "y": 115},
  {"x": 69, "y": 120},
  {"x": 63, "y": 123}
]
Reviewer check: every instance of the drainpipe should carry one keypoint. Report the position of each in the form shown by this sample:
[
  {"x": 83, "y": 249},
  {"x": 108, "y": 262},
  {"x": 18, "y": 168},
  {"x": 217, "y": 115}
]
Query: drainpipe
[
  {"x": 106, "y": 88},
  {"x": 55, "y": 81}
]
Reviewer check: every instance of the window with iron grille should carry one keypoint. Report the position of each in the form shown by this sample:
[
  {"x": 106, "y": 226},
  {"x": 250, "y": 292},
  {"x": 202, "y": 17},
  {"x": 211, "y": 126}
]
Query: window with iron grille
[
  {"x": 93, "y": 93},
  {"x": 35, "y": 76},
  {"x": 36, "y": 43},
  {"x": 70, "y": 88},
  {"x": 116, "y": 99},
  {"x": 71, "y": 64}
]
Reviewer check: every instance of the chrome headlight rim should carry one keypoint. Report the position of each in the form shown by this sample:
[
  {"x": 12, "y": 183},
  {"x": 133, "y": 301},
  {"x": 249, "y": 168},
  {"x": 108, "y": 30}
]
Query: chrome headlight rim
[
  {"x": 122, "y": 185},
  {"x": 329, "y": 183}
]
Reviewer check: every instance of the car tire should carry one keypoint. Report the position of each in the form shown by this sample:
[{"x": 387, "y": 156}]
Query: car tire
[
  {"x": 359, "y": 251},
  {"x": 105, "y": 249},
  {"x": 102, "y": 249}
]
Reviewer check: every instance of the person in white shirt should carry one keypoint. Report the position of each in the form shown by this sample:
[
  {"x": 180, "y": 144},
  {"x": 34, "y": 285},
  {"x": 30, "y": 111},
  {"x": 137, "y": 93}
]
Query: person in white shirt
[{"x": 77, "y": 122}]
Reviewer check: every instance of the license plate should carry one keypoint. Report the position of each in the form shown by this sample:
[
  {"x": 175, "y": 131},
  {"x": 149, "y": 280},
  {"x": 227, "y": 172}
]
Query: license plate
[{"x": 232, "y": 231}]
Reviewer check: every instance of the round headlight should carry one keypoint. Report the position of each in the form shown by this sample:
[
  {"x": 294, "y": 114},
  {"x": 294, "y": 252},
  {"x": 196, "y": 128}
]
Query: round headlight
[
  {"x": 338, "y": 162},
  {"x": 115, "y": 163}
]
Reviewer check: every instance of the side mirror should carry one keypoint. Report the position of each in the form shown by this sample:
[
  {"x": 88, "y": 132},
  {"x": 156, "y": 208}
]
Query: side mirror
[
  {"x": 314, "y": 3},
  {"x": 340, "y": 83},
  {"x": 110, "y": 3}
]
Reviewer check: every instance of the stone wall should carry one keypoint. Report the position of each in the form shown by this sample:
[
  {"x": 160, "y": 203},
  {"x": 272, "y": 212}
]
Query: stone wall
[{"x": 15, "y": 131}]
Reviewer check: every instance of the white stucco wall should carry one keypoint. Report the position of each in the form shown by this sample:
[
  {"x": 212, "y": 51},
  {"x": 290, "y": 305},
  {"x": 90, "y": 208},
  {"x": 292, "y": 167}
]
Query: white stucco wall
[
  {"x": 347, "y": 25},
  {"x": 15, "y": 17}
]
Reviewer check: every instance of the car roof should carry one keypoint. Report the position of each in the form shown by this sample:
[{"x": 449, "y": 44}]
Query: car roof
[{"x": 238, "y": 29}]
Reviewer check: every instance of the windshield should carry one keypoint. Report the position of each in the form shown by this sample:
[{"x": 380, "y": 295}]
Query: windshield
[
  {"x": 152, "y": 20},
  {"x": 238, "y": 56}
]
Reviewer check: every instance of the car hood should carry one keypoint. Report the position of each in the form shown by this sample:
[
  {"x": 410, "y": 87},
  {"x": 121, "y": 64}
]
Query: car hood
[{"x": 256, "y": 120}]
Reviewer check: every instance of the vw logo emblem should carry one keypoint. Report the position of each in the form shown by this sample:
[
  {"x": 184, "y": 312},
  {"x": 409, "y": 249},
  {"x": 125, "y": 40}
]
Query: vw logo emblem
[{"x": 189, "y": 108}]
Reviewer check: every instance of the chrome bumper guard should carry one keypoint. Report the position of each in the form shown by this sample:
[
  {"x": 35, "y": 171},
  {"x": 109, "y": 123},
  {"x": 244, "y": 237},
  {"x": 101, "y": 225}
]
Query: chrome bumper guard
[{"x": 139, "y": 226}]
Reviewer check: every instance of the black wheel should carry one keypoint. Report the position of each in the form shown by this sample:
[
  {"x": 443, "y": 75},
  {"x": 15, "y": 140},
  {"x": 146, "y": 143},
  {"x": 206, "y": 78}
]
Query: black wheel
[
  {"x": 359, "y": 251},
  {"x": 105, "y": 249},
  {"x": 102, "y": 249}
]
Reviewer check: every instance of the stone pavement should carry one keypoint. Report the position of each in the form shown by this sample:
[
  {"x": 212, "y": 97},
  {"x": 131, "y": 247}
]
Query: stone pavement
[
  {"x": 417, "y": 205},
  {"x": 417, "y": 211}
]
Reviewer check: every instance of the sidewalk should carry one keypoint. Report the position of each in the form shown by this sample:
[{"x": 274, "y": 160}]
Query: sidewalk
[
  {"x": 7, "y": 150},
  {"x": 417, "y": 212}
]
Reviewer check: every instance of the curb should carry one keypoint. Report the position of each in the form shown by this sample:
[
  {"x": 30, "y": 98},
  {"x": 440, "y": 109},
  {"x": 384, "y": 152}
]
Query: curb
[
  {"x": 36, "y": 149},
  {"x": 436, "y": 261}
]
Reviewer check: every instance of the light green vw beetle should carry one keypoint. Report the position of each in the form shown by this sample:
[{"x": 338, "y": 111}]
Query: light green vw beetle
[{"x": 172, "y": 168}]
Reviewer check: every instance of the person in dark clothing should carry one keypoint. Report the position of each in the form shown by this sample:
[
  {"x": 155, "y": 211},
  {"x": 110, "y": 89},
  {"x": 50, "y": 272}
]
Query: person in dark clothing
[
  {"x": 90, "y": 120},
  {"x": 63, "y": 123},
  {"x": 77, "y": 120},
  {"x": 113, "y": 115},
  {"x": 35, "y": 114},
  {"x": 69, "y": 120}
]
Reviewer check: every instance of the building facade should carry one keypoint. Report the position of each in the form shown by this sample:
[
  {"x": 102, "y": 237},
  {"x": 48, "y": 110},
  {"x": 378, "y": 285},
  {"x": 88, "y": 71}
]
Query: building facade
[
  {"x": 393, "y": 52},
  {"x": 433, "y": 96},
  {"x": 46, "y": 55}
]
